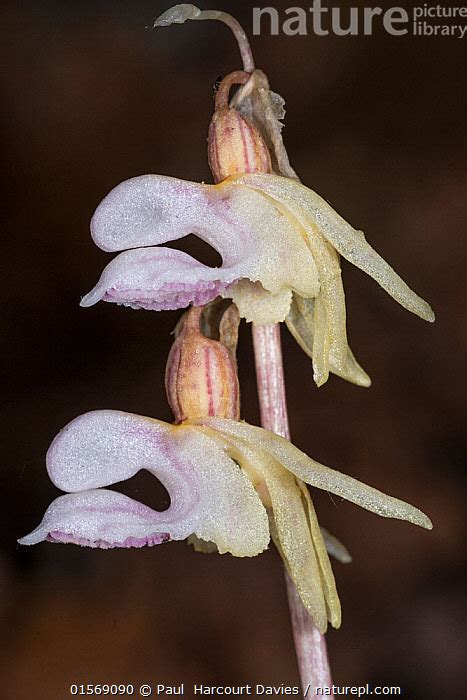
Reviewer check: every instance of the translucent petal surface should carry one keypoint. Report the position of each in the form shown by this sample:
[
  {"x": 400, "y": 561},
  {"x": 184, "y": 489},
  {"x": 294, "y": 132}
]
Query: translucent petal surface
[
  {"x": 321, "y": 343},
  {"x": 255, "y": 304},
  {"x": 331, "y": 597},
  {"x": 314, "y": 212},
  {"x": 290, "y": 524},
  {"x": 318, "y": 475},
  {"x": 210, "y": 496},
  {"x": 301, "y": 323},
  {"x": 330, "y": 321}
]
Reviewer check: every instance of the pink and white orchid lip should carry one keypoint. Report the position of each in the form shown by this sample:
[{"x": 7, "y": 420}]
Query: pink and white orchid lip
[
  {"x": 210, "y": 496},
  {"x": 102, "y": 519},
  {"x": 159, "y": 279},
  {"x": 256, "y": 241}
]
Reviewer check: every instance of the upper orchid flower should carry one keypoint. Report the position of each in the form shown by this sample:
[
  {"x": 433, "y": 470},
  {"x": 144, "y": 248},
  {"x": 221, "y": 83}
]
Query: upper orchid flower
[
  {"x": 276, "y": 238},
  {"x": 231, "y": 485},
  {"x": 264, "y": 256}
]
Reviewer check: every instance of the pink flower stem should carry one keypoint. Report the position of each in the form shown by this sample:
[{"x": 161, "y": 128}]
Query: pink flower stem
[{"x": 310, "y": 645}]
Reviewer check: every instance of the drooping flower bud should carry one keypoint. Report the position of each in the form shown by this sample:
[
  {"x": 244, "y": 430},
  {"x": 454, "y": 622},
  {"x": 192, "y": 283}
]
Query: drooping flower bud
[
  {"x": 235, "y": 146},
  {"x": 201, "y": 373}
]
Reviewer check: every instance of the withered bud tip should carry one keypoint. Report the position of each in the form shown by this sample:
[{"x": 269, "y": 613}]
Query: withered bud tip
[{"x": 177, "y": 15}]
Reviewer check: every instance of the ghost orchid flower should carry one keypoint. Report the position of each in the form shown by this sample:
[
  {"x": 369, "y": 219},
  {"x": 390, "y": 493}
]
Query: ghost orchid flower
[
  {"x": 278, "y": 241},
  {"x": 262, "y": 255},
  {"x": 232, "y": 486},
  {"x": 274, "y": 235},
  {"x": 223, "y": 478}
]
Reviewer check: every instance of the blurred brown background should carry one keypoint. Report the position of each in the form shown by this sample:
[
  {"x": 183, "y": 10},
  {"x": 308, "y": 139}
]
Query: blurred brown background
[{"x": 377, "y": 125}]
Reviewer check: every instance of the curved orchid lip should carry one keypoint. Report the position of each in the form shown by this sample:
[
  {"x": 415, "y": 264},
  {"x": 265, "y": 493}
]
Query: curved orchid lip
[
  {"x": 279, "y": 242},
  {"x": 100, "y": 518},
  {"x": 210, "y": 496},
  {"x": 256, "y": 241},
  {"x": 159, "y": 279}
]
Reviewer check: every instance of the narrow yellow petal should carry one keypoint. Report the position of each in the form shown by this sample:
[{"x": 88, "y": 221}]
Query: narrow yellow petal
[
  {"x": 321, "y": 343},
  {"x": 320, "y": 476},
  {"x": 353, "y": 372},
  {"x": 290, "y": 527},
  {"x": 313, "y": 211},
  {"x": 331, "y": 596},
  {"x": 296, "y": 544},
  {"x": 301, "y": 323}
]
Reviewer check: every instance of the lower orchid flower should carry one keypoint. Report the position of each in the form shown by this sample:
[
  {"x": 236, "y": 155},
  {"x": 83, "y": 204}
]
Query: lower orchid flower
[
  {"x": 224, "y": 478},
  {"x": 232, "y": 486}
]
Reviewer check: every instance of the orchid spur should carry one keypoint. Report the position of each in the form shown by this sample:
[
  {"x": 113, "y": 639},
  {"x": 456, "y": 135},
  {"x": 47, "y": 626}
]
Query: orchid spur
[{"x": 232, "y": 486}]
